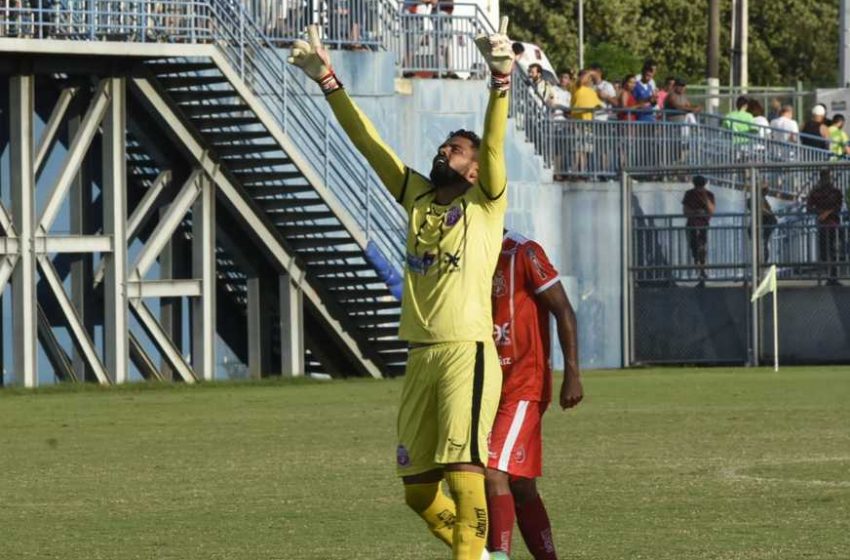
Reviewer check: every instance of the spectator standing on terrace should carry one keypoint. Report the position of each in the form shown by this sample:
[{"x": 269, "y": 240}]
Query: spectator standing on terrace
[
  {"x": 760, "y": 122},
  {"x": 649, "y": 63},
  {"x": 585, "y": 102},
  {"x": 838, "y": 138},
  {"x": 678, "y": 104},
  {"x": 775, "y": 110},
  {"x": 563, "y": 97},
  {"x": 645, "y": 94},
  {"x": 680, "y": 110},
  {"x": 815, "y": 133},
  {"x": 825, "y": 201},
  {"x": 626, "y": 100},
  {"x": 740, "y": 120},
  {"x": 543, "y": 88},
  {"x": 785, "y": 128},
  {"x": 604, "y": 89},
  {"x": 698, "y": 206},
  {"x": 664, "y": 92}
]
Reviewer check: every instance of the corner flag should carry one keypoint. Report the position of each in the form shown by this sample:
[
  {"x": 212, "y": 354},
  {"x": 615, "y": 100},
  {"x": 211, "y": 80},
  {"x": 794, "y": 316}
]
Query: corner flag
[{"x": 768, "y": 284}]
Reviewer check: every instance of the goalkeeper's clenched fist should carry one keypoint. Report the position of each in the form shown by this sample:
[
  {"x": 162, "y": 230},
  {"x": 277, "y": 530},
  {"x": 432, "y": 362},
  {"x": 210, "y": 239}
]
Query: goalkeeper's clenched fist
[
  {"x": 312, "y": 57},
  {"x": 496, "y": 50}
]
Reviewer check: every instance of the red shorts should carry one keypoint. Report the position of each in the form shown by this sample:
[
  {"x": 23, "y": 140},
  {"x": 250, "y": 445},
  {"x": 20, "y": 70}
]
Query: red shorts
[{"x": 516, "y": 442}]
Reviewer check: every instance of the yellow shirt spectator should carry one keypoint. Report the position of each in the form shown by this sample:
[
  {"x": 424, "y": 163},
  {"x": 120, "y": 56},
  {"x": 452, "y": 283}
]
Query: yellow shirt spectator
[{"x": 584, "y": 102}]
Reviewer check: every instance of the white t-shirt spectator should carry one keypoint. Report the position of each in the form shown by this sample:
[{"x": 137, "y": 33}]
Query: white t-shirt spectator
[
  {"x": 606, "y": 89},
  {"x": 561, "y": 106},
  {"x": 761, "y": 125},
  {"x": 786, "y": 130}
]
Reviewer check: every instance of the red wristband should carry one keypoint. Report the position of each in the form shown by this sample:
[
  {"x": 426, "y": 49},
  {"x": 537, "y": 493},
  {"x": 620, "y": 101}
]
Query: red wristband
[
  {"x": 329, "y": 83},
  {"x": 500, "y": 82}
]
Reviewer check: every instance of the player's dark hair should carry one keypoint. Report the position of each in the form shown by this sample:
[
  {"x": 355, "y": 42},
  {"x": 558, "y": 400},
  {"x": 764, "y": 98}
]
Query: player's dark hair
[
  {"x": 700, "y": 181},
  {"x": 468, "y": 134}
]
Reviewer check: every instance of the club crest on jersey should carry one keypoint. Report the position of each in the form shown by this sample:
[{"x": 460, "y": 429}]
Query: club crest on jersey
[
  {"x": 502, "y": 334},
  {"x": 535, "y": 262},
  {"x": 500, "y": 286},
  {"x": 519, "y": 454},
  {"x": 420, "y": 265},
  {"x": 453, "y": 216},
  {"x": 402, "y": 457}
]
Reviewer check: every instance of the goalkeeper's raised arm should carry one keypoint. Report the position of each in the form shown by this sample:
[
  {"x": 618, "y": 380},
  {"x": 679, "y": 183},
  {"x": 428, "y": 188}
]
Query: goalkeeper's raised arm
[
  {"x": 496, "y": 50},
  {"x": 313, "y": 59}
]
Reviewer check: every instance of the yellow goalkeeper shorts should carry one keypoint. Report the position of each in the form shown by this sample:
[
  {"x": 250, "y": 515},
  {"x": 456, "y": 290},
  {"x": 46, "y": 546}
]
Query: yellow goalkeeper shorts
[{"x": 448, "y": 404}]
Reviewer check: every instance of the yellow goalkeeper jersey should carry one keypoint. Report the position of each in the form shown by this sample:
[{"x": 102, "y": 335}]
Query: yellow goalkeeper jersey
[{"x": 451, "y": 249}]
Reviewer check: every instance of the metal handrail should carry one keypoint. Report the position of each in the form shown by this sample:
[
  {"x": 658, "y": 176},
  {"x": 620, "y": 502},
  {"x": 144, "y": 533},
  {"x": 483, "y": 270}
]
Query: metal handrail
[{"x": 311, "y": 127}]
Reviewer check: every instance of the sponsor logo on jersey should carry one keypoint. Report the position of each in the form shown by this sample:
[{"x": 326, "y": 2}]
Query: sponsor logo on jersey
[
  {"x": 500, "y": 285},
  {"x": 502, "y": 334},
  {"x": 402, "y": 457},
  {"x": 420, "y": 265},
  {"x": 505, "y": 361}
]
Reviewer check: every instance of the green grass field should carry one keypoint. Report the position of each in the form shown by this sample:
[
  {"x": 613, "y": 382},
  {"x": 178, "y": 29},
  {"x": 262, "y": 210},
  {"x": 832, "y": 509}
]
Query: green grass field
[{"x": 676, "y": 464}]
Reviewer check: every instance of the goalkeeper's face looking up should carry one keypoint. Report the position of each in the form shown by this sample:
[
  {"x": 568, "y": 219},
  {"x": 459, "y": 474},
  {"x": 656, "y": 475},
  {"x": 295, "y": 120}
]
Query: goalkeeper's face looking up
[{"x": 456, "y": 162}]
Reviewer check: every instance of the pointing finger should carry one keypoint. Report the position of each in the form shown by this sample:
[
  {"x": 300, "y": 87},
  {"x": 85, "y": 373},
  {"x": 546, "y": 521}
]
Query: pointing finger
[{"x": 503, "y": 25}]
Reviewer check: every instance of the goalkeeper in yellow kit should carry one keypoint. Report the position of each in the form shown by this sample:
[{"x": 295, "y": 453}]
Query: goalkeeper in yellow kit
[{"x": 453, "y": 378}]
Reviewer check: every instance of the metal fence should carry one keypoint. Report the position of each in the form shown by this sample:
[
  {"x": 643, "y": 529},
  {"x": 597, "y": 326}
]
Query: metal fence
[{"x": 687, "y": 282}]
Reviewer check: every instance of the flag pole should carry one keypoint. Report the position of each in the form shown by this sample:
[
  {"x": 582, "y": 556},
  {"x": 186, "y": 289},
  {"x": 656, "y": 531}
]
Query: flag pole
[{"x": 775, "y": 321}]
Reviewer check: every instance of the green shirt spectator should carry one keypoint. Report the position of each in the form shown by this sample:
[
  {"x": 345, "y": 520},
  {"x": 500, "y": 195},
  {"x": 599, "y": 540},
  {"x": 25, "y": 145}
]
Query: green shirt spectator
[
  {"x": 739, "y": 121},
  {"x": 838, "y": 139}
]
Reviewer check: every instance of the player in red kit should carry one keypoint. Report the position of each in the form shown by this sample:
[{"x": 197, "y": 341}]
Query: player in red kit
[{"x": 526, "y": 290}]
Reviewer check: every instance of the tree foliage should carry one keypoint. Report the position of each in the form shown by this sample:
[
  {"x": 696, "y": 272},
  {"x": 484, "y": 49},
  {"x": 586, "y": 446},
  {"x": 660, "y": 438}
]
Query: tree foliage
[{"x": 789, "y": 40}]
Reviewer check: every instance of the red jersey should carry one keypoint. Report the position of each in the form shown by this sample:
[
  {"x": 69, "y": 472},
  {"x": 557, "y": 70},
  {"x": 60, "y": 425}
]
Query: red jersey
[{"x": 521, "y": 322}]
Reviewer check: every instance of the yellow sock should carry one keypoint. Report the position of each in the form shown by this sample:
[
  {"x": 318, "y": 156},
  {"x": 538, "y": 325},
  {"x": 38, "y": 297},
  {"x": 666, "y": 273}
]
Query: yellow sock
[
  {"x": 470, "y": 532},
  {"x": 432, "y": 505}
]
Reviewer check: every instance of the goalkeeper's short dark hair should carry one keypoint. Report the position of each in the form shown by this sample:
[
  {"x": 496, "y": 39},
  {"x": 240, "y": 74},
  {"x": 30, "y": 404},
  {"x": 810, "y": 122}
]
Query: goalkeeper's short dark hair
[{"x": 468, "y": 134}]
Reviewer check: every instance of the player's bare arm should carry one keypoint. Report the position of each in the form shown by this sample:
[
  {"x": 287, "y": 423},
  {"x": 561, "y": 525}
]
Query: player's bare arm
[
  {"x": 556, "y": 301},
  {"x": 313, "y": 59}
]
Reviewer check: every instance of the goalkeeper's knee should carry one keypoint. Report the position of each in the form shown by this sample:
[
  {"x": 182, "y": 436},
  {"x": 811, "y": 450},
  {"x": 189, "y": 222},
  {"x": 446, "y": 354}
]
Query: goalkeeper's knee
[{"x": 434, "y": 507}]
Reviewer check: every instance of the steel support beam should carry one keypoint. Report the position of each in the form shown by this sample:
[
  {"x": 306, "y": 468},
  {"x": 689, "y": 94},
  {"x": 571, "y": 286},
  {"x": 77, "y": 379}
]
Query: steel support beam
[
  {"x": 140, "y": 216},
  {"x": 165, "y": 288},
  {"x": 203, "y": 267},
  {"x": 77, "y": 153},
  {"x": 168, "y": 224},
  {"x": 48, "y": 135},
  {"x": 78, "y": 332},
  {"x": 24, "y": 304},
  {"x": 162, "y": 341},
  {"x": 171, "y": 261},
  {"x": 74, "y": 244},
  {"x": 82, "y": 213},
  {"x": 291, "y": 328},
  {"x": 114, "y": 187}
]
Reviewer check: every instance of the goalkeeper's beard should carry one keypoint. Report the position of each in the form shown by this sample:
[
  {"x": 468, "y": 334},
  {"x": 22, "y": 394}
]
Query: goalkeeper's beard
[{"x": 442, "y": 174}]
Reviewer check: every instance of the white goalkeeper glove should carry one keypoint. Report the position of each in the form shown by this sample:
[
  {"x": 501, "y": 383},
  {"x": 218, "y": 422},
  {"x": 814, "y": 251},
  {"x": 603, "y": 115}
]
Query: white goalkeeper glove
[
  {"x": 496, "y": 50},
  {"x": 313, "y": 59}
]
